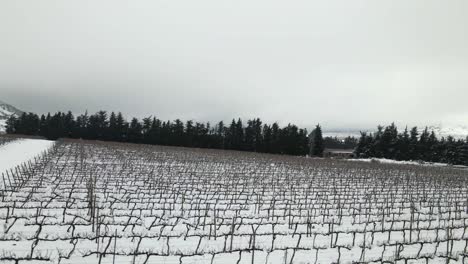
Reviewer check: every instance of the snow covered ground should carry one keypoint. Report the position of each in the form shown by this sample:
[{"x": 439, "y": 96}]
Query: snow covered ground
[
  {"x": 19, "y": 151},
  {"x": 96, "y": 202},
  {"x": 421, "y": 163}
]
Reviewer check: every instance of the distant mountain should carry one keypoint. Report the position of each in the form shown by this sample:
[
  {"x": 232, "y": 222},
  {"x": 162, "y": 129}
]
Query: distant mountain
[
  {"x": 343, "y": 133},
  {"x": 456, "y": 131},
  {"x": 7, "y": 110}
]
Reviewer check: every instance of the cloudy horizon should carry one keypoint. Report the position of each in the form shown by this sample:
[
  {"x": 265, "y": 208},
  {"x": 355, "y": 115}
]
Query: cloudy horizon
[{"x": 343, "y": 64}]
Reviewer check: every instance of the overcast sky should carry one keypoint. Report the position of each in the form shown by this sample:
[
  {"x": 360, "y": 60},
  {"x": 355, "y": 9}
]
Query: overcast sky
[{"x": 345, "y": 64}]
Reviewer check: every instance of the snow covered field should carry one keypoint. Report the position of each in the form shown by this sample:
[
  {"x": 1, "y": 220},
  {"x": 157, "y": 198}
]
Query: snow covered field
[
  {"x": 19, "y": 151},
  {"x": 86, "y": 202}
]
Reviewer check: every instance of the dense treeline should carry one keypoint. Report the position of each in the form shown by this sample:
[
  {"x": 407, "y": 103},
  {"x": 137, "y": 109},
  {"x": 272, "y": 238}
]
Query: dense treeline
[
  {"x": 386, "y": 142},
  {"x": 252, "y": 136},
  {"x": 411, "y": 145}
]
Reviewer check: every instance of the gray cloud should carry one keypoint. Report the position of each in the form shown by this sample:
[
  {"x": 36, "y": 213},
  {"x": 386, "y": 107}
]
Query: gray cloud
[{"x": 341, "y": 63}]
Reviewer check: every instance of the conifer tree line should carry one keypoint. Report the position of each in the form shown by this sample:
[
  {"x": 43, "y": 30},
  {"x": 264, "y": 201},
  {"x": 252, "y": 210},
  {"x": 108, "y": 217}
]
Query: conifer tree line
[
  {"x": 253, "y": 135},
  {"x": 388, "y": 143}
]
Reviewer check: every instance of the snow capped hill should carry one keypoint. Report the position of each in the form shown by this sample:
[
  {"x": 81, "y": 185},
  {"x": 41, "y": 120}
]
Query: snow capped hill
[
  {"x": 6, "y": 111},
  {"x": 344, "y": 133},
  {"x": 456, "y": 131}
]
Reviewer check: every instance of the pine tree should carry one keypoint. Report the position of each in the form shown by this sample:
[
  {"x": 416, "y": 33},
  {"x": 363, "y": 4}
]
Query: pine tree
[
  {"x": 155, "y": 131},
  {"x": 249, "y": 137},
  {"x": 220, "y": 135},
  {"x": 378, "y": 147},
  {"x": 69, "y": 125},
  {"x": 267, "y": 139},
  {"x": 231, "y": 135},
  {"x": 432, "y": 148},
  {"x": 239, "y": 136},
  {"x": 423, "y": 145},
  {"x": 451, "y": 155},
  {"x": 177, "y": 133},
  {"x": 146, "y": 130},
  {"x": 135, "y": 133},
  {"x": 402, "y": 146},
  {"x": 413, "y": 144},
  {"x": 11, "y": 125},
  {"x": 388, "y": 142},
  {"x": 303, "y": 147},
  {"x": 81, "y": 125},
  {"x": 43, "y": 126},
  {"x": 121, "y": 128},
  {"x": 166, "y": 133},
  {"x": 361, "y": 149},
  {"x": 463, "y": 153},
  {"x": 317, "y": 143},
  {"x": 258, "y": 137},
  {"x": 113, "y": 131},
  {"x": 275, "y": 138},
  {"x": 189, "y": 133}
]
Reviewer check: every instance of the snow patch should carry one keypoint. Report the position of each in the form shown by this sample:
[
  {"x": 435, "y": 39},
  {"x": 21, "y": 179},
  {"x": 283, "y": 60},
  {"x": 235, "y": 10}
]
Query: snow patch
[
  {"x": 16, "y": 152},
  {"x": 421, "y": 163}
]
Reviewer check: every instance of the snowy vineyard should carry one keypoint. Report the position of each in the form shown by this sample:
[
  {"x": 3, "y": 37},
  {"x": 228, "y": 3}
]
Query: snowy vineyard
[{"x": 88, "y": 202}]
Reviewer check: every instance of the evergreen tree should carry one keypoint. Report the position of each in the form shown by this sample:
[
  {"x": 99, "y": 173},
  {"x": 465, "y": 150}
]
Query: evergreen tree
[
  {"x": 258, "y": 137},
  {"x": 135, "y": 131},
  {"x": 413, "y": 144},
  {"x": 249, "y": 138},
  {"x": 146, "y": 130},
  {"x": 451, "y": 147},
  {"x": 364, "y": 146},
  {"x": 177, "y": 133},
  {"x": 379, "y": 146},
  {"x": 463, "y": 153},
  {"x": 303, "y": 144},
  {"x": 121, "y": 128},
  {"x": 275, "y": 138},
  {"x": 189, "y": 133},
  {"x": 432, "y": 148},
  {"x": 81, "y": 125},
  {"x": 423, "y": 145},
  {"x": 220, "y": 135},
  {"x": 113, "y": 131},
  {"x": 239, "y": 139},
  {"x": 267, "y": 139},
  {"x": 12, "y": 125},
  {"x": 403, "y": 143},
  {"x": 166, "y": 133},
  {"x": 317, "y": 143},
  {"x": 98, "y": 125},
  {"x": 69, "y": 125},
  {"x": 231, "y": 136},
  {"x": 43, "y": 126},
  {"x": 155, "y": 131},
  {"x": 388, "y": 142}
]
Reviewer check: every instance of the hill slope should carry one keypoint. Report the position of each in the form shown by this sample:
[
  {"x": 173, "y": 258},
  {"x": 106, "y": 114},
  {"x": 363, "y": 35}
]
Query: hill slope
[{"x": 7, "y": 110}]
